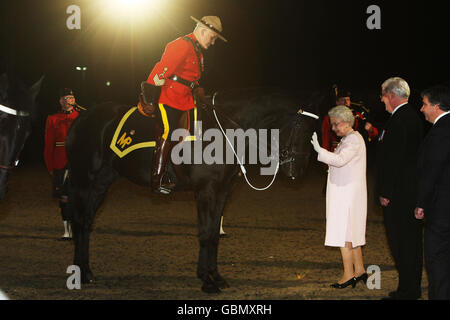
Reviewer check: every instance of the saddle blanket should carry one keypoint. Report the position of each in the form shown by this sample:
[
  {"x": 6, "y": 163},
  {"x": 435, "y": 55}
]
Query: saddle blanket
[{"x": 136, "y": 131}]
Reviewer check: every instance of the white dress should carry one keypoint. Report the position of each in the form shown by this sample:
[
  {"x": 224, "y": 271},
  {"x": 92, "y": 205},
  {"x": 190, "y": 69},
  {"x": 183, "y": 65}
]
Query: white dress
[{"x": 346, "y": 200}]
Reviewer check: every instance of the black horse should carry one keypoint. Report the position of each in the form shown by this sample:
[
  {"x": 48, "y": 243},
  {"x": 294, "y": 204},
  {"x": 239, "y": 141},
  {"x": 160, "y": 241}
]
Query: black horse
[
  {"x": 17, "y": 106},
  {"x": 94, "y": 166}
]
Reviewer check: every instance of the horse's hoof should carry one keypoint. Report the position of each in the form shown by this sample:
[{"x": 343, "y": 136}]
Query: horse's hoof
[
  {"x": 87, "y": 281},
  {"x": 222, "y": 283},
  {"x": 219, "y": 280},
  {"x": 88, "y": 278},
  {"x": 210, "y": 288}
]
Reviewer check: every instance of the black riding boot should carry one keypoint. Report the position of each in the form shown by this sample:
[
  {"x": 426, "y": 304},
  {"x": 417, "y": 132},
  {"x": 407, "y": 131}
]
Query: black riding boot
[{"x": 161, "y": 152}]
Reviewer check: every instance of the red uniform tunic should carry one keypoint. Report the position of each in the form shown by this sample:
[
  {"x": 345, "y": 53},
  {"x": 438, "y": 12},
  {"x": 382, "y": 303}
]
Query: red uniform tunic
[
  {"x": 180, "y": 59},
  {"x": 56, "y": 129},
  {"x": 329, "y": 138}
]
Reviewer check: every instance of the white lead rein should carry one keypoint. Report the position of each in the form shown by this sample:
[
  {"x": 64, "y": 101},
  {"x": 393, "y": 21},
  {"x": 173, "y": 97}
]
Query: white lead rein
[
  {"x": 300, "y": 111},
  {"x": 244, "y": 172}
]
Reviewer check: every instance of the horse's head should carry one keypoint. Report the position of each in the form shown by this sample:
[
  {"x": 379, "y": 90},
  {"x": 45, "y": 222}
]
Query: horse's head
[
  {"x": 276, "y": 108},
  {"x": 16, "y": 105},
  {"x": 295, "y": 146}
]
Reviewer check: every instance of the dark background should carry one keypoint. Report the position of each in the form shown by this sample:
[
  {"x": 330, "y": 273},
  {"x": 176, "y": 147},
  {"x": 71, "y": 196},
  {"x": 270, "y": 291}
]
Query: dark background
[{"x": 305, "y": 45}]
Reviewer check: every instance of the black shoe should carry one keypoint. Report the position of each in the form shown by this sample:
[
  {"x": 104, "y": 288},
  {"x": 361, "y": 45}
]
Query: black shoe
[
  {"x": 362, "y": 278},
  {"x": 351, "y": 282},
  {"x": 393, "y": 294},
  {"x": 402, "y": 296}
]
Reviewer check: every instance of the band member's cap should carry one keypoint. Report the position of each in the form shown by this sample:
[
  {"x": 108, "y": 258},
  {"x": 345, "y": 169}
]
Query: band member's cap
[
  {"x": 66, "y": 92},
  {"x": 342, "y": 92},
  {"x": 213, "y": 23}
]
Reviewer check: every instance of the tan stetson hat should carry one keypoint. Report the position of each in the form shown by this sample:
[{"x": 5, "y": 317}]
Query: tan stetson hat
[{"x": 213, "y": 23}]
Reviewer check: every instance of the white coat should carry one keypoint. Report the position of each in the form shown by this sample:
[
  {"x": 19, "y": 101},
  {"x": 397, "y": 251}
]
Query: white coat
[{"x": 346, "y": 200}]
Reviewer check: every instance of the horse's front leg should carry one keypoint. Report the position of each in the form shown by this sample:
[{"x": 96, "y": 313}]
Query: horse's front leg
[
  {"x": 80, "y": 229},
  {"x": 81, "y": 236},
  {"x": 214, "y": 243},
  {"x": 206, "y": 227},
  {"x": 86, "y": 204}
]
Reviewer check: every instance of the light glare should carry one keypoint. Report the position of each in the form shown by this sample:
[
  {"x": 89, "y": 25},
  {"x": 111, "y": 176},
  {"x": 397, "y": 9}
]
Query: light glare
[
  {"x": 129, "y": 3},
  {"x": 133, "y": 7}
]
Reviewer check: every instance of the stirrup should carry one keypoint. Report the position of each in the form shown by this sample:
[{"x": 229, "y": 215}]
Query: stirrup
[{"x": 164, "y": 188}]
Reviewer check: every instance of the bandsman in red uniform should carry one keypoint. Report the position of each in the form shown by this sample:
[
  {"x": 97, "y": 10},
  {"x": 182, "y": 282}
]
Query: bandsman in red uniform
[
  {"x": 367, "y": 130},
  {"x": 56, "y": 129},
  {"x": 173, "y": 82}
]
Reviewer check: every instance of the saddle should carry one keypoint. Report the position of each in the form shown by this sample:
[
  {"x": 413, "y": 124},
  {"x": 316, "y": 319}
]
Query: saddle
[
  {"x": 148, "y": 102},
  {"x": 147, "y": 110},
  {"x": 148, "y": 99}
]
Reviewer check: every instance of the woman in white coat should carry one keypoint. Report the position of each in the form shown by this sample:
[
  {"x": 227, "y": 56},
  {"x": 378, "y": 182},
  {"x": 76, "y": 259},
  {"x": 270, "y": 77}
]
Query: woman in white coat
[{"x": 346, "y": 200}]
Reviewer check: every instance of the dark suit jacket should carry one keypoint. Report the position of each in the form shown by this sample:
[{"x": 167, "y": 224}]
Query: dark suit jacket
[
  {"x": 434, "y": 171},
  {"x": 397, "y": 153}
]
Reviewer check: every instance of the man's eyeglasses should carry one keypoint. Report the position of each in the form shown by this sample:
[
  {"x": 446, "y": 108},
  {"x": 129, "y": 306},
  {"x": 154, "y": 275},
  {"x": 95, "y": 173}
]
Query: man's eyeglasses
[{"x": 69, "y": 97}]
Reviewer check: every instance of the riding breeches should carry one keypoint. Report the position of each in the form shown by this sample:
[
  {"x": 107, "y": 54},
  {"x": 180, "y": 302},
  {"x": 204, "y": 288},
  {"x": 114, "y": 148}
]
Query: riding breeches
[{"x": 172, "y": 119}]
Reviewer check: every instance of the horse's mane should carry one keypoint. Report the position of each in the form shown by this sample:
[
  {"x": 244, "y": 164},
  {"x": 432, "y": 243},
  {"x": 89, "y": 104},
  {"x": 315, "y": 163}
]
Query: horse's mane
[
  {"x": 262, "y": 106},
  {"x": 15, "y": 90}
]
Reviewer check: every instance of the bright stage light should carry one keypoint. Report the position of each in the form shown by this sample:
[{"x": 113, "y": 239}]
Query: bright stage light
[
  {"x": 129, "y": 4},
  {"x": 131, "y": 15},
  {"x": 133, "y": 7}
]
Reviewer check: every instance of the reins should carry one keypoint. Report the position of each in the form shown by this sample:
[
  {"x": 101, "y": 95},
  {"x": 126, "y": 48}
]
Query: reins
[{"x": 6, "y": 167}]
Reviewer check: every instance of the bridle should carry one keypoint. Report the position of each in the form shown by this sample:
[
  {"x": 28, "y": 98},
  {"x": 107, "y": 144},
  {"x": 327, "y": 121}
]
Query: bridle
[
  {"x": 17, "y": 113},
  {"x": 308, "y": 114},
  {"x": 284, "y": 159},
  {"x": 14, "y": 112},
  {"x": 4, "y": 167}
]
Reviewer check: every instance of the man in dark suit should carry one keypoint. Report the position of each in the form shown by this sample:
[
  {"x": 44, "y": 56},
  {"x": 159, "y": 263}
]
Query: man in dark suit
[
  {"x": 398, "y": 146},
  {"x": 433, "y": 201}
]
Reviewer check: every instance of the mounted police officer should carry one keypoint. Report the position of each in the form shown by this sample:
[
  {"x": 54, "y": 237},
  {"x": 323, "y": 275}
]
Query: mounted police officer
[
  {"x": 56, "y": 128},
  {"x": 173, "y": 88}
]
